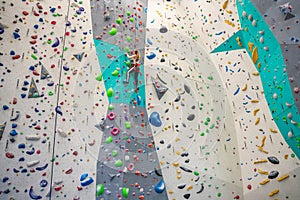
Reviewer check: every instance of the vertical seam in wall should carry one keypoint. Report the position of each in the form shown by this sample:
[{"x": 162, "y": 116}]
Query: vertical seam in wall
[{"x": 57, "y": 100}]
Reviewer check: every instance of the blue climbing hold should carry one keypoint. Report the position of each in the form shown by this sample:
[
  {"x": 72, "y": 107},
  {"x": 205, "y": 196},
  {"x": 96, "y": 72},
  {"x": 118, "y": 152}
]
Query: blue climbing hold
[
  {"x": 87, "y": 181},
  {"x": 151, "y": 56},
  {"x": 160, "y": 187},
  {"x": 13, "y": 132},
  {"x": 83, "y": 176},
  {"x": 155, "y": 119}
]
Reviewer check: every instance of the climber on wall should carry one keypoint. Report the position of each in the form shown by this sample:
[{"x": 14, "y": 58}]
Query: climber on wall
[{"x": 135, "y": 66}]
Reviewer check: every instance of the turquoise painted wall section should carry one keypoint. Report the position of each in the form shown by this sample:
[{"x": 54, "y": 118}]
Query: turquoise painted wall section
[
  {"x": 271, "y": 67},
  {"x": 112, "y": 60}
]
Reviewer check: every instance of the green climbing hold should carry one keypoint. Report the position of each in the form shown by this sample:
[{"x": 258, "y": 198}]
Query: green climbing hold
[
  {"x": 128, "y": 125},
  {"x": 109, "y": 140},
  {"x": 111, "y": 107},
  {"x": 119, "y": 20},
  {"x": 196, "y": 173},
  {"x": 131, "y": 19},
  {"x": 114, "y": 153},
  {"x": 118, "y": 163},
  {"x": 99, "y": 189},
  {"x": 128, "y": 38},
  {"x": 127, "y": 49},
  {"x": 34, "y": 57},
  {"x": 113, "y": 32},
  {"x": 210, "y": 78},
  {"x": 99, "y": 77},
  {"x": 110, "y": 92},
  {"x": 125, "y": 192},
  {"x": 115, "y": 73},
  {"x": 128, "y": 63},
  {"x": 128, "y": 13},
  {"x": 50, "y": 93}
]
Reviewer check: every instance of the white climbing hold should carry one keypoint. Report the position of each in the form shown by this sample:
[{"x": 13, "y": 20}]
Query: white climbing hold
[
  {"x": 290, "y": 134},
  {"x": 32, "y": 163},
  {"x": 261, "y": 39},
  {"x": 32, "y": 137},
  {"x": 61, "y": 132},
  {"x": 244, "y": 14},
  {"x": 250, "y": 17}
]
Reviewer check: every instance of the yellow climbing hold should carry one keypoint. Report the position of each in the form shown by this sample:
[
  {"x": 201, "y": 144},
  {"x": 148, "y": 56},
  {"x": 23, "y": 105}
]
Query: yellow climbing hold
[
  {"x": 171, "y": 192},
  {"x": 262, "y": 172},
  {"x": 250, "y": 46},
  {"x": 238, "y": 39},
  {"x": 257, "y": 121},
  {"x": 254, "y": 101},
  {"x": 245, "y": 87},
  {"x": 273, "y": 130},
  {"x": 281, "y": 178},
  {"x": 229, "y": 11},
  {"x": 259, "y": 65},
  {"x": 176, "y": 164},
  {"x": 273, "y": 192},
  {"x": 229, "y": 23},
  {"x": 255, "y": 55},
  {"x": 256, "y": 111},
  {"x": 224, "y": 6},
  {"x": 255, "y": 73},
  {"x": 264, "y": 182},
  {"x": 189, "y": 188},
  {"x": 263, "y": 141},
  {"x": 262, "y": 150},
  {"x": 260, "y": 161}
]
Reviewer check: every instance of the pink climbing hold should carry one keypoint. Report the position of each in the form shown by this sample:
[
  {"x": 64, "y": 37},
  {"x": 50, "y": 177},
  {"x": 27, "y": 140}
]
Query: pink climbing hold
[{"x": 115, "y": 131}]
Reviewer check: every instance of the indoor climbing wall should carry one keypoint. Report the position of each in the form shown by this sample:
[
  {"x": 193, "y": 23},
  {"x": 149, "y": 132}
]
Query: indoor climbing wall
[{"x": 211, "y": 113}]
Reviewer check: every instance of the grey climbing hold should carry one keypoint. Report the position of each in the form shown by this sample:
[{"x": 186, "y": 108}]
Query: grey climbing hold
[
  {"x": 79, "y": 56},
  {"x": 187, "y": 89},
  {"x": 2, "y": 128},
  {"x": 44, "y": 73},
  {"x": 191, "y": 117},
  {"x": 160, "y": 89},
  {"x": 163, "y": 29},
  {"x": 33, "y": 91}
]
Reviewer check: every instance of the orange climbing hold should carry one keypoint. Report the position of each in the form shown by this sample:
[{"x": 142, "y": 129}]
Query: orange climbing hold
[{"x": 255, "y": 55}]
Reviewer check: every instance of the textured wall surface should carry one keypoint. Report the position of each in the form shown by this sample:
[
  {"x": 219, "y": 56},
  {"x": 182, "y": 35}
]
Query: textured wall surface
[{"x": 211, "y": 113}]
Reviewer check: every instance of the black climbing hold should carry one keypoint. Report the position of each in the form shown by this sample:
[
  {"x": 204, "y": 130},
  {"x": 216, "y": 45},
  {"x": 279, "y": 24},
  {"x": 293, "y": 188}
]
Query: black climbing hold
[
  {"x": 273, "y": 174},
  {"x": 187, "y": 196},
  {"x": 186, "y": 169},
  {"x": 273, "y": 160},
  {"x": 201, "y": 190},
  {"x": 181, "y": 186}
]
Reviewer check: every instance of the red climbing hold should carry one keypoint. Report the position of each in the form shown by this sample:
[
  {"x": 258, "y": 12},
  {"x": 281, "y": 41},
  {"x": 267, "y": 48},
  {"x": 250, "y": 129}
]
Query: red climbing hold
[{"x": 9, "y": 155}]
